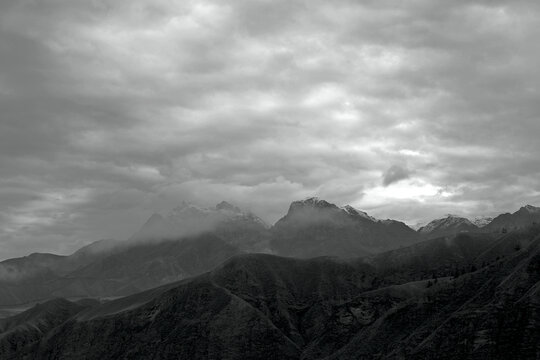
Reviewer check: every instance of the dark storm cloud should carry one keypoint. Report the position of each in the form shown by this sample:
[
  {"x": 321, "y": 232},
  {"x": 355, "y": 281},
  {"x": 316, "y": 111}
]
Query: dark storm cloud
[{"x": 111, "y": 111}]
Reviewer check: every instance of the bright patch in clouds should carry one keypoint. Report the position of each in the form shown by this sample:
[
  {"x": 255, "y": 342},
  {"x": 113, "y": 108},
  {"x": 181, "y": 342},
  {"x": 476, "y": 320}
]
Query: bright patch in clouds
[{"x": 412, "y": 189}]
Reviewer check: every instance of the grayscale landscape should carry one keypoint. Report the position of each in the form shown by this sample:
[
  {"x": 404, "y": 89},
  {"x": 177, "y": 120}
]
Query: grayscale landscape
[{"x": 259, "y": 179}]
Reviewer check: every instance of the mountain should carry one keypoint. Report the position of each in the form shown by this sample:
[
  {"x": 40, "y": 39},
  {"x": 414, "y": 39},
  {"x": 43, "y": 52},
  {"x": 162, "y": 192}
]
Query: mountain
[
  {"x": 20, "y": 333},
  {"x": 253, "y": 306},
  {"x": 38, "y": 277},
  {"x": 482, "y": 221},
  {"x": 315, "y": 227},
  {"x": 447, "y": 226},
  {"x": 524, "y": 217},
  {"x": 417, "y": 225},
  {"x": 438, "y": 257},
  {"x": 237, "y": 227},
  {"x": 311, "y": 228},
  {"x": 487, "y": 313},
  {"x": 105, "y": 270},
  {"x": 188, "y": 241},
  {"x": 42, "y": 265},
  {"x": 260, "y": 306},
  {"x": 148, "y": 265}
]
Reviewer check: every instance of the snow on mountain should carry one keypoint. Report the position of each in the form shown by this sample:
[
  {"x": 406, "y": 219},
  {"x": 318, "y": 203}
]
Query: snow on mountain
[
  {"x": 531, "y": 209},
  {"x": 418, "y": 225},
  {"x": 482, "y": 221},
  {"x": 355, "y": 212},
  {"x": 311, "y": 202},
  {"x": 224, "y": 211},
  {"x": 526, "y": 216},
  {"x": 448, "y": 225}
]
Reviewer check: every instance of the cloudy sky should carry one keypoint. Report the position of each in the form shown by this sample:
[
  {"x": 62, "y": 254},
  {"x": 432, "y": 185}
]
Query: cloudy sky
[{"x": 113, "y": 110}]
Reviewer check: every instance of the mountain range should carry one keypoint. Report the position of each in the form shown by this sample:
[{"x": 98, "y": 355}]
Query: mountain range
[
  {"x": 191, "y": 240},
  {"x": 256, "y": 306},
  {"x": 324, "y": 282}
]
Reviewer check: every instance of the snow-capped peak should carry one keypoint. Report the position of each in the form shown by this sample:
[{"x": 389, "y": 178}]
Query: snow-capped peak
[
  {"x": 187, "y": 208},
  {"x": 187, "y": 214},
  {"x": 531, "y": 209},
  {"x": 313, "y": 201},
  {"x": 449, "y": 221},
  {"x": 355, "y": 212},
  {"x": 482, "y": 221},
  {"x": 225, "y": 206}
]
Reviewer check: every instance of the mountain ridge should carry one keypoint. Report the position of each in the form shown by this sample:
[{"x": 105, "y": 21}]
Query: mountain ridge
[
  {"x": 262, "y": 305},
  {"x": 312, "y": 227}
]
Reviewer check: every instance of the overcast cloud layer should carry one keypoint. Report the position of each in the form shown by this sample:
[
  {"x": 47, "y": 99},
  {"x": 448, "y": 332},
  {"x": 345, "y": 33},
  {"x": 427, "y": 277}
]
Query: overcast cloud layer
[{"x": 113, "y": 110}]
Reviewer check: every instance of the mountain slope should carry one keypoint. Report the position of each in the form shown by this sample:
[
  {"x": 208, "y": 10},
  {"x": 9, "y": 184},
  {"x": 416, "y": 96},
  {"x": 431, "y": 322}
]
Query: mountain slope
[
  {"x": 189, "y": 241},
  {"x": 524, "y": 217},
  {"x": 21, "y": 332},
  {"x": 127, "y": 269},
  {"x": 437, "y": 257},
  {"x": 147, "y": 265},
  {"x": 238, "y": 228},
  {"x": 263, "y": 306},
  {"x": 489, "y": 313},
  {"x": 254, "y": 306}
]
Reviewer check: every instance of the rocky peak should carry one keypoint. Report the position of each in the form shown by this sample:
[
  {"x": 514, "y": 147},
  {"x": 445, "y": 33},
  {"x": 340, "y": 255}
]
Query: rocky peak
[
  {"x": 449, "y": 221},
  {"x": 228, "y": 207},
  {"x": 186, "y": 207},
  {"x": 355, "y": 212},
  {"x": 482, "y": 221},
  {"x": 311, "y": 202},
  {"x": 530, "y": 209}
]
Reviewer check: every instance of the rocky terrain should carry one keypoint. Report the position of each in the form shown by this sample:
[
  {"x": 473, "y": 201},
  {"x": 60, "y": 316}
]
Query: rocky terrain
[
  {"x": 474, "y": 297},
  {"x": 352, "y": 287},
  {"x": 191, "y": 240},
  {"x": 520, "y": 219}
]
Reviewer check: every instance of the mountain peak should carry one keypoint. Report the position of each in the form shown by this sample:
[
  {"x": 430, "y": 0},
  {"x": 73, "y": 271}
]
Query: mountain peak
[
  {"x": 531, "y": 209},
  {"x": 482, "y": 221},
  {"x": 224, "y": 205},
  {"x": 311, "y": 202},
  {"x": 450, "y": 221},
  {"x": 355, "y": 212}
]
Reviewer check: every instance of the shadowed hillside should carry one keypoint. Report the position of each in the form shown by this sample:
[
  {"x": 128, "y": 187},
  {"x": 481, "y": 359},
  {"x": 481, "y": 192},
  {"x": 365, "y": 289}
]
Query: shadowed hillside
[{"x": 263, "y": 306}]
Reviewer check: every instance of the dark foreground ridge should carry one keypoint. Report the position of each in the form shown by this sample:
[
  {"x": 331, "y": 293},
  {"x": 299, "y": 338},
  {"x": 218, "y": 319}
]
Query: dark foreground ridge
[{"x": 475, "y": 296}]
